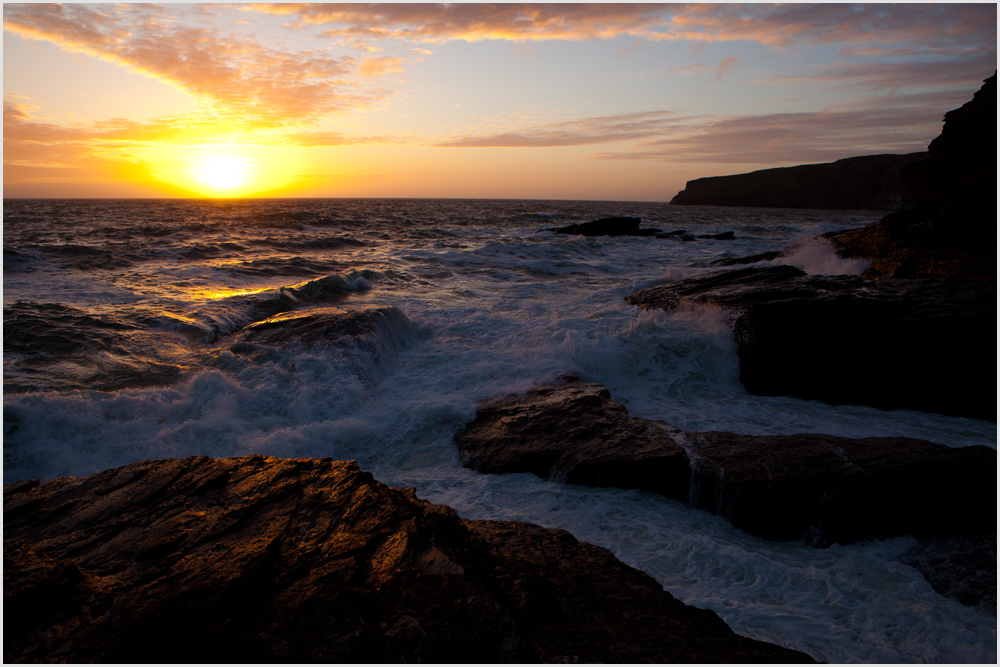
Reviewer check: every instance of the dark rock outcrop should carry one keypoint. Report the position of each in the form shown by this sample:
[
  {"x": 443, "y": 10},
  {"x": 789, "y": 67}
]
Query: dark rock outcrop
[
  {"x": 257, "y": 559},
  {"x": 951, "y": 234},
  {"x": 819, "y": 488},
  {"x": 327, "y": 325},
  {"x": 872, "y": 182},
  {"x": 914, "y": 344},
  {"x": 626, "y": 226}
]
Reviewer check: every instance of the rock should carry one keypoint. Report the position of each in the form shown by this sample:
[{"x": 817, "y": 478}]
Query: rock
[
  {"x": 872, "y": 182},
  {"x": 724, "y": 236},
  {"x": 575, "y": 433},
  {"x": 951, "y": 234},
  {"x": 751, "y": 259},
  {"x": 818, "y": 488},
  {"x": 960, "y": 564},
  {"x": 913, "y": 344},
  {"x": 257, "y": 559},
  {"x": 376, "y": 326},
  {"x": 608, "y": 227}
]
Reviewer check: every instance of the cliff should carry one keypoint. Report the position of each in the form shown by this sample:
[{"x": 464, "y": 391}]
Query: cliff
[{"x": 871, "y": 182}]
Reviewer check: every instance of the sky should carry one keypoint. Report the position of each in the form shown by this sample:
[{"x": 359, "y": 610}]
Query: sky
[{"x": 619, "y": 102}]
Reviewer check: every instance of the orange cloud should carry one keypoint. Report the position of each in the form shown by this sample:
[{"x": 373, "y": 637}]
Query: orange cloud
[
  {"x": 376, "y": 66},
  {"x": 776, "y": 25},
  {"x": 232, "y": 76}
]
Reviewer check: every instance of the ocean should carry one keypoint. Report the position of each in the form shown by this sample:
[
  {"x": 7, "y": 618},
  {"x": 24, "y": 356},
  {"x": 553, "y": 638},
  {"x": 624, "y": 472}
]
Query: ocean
[{"x": 117, "y": 326}]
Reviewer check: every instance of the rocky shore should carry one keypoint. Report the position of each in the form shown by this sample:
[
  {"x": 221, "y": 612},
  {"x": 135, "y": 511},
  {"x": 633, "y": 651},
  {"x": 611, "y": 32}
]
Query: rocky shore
[
  {"x": 917, "y": 329},
  {"x": 258, "y": 559},
  {"x": 817, "y": 488},
  {"x": 812, "y": 487}
]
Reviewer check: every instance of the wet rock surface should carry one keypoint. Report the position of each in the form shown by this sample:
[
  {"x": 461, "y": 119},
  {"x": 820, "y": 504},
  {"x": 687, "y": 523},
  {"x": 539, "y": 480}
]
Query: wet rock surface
[
  {"x": 324, "y": 326},
  {"x": 257, "y": 559},
  {"x": 891, "y": 344},
  {"x": 960, "y": 564},
  {"x": 818, "y": 488}
]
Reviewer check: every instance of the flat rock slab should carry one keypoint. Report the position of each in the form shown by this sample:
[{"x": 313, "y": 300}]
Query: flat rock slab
[
  {"x": 902, "y": 343},
  {"x": 818, "y": 488},
  {"x": 258, "y": 559}
]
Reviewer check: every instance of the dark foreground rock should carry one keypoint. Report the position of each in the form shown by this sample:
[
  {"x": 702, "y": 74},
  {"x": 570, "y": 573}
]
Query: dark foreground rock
[
  {"x": 257, "y": 559},
  {"x": 818, "y": 488},
  {"x": 626, "y": 226},
  {"x": 871, "y": 182},
  {"x": 914, "y": 344}
]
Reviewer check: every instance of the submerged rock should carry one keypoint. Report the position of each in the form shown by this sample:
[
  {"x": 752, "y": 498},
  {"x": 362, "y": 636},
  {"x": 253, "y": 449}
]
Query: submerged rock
[
  {"x": 257, "y": 559},
  {"x": 624, "y": 226},
  {"x": 914, "y": 344},
  {"x": 819, "y": 488}
]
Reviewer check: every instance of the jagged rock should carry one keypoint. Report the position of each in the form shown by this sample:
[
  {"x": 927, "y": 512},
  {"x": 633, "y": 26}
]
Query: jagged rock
[
  {"x": 951, "y": 234},
  {"x": 625, "y": 226},
  {"x": 914, "y": 344},
  {"x": 327, "y": 325},
  {"x": 871, "y": 182},
  {"x": 819, "y": 488},
  {"x": 257, "y": 559}
]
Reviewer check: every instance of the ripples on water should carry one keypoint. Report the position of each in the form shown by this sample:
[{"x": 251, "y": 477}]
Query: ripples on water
[{"x": 119, "y": 319}]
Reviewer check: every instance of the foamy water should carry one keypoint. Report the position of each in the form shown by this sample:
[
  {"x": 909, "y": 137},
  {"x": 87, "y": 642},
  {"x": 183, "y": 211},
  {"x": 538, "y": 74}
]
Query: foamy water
[{"x": 149, "y": 291}]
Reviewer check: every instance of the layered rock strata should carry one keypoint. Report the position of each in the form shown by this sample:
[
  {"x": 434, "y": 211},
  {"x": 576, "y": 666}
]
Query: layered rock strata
[
  {"x": 819, "y": 488},
  {"x": 257, "y": 559}
]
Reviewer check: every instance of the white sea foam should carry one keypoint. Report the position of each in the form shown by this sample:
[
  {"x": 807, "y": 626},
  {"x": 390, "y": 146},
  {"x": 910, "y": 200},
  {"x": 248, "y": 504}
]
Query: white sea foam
[{"x": 818, "y": 257}]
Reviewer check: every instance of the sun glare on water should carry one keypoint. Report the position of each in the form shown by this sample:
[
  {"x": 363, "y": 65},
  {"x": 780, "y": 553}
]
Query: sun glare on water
[{"x": 223, "y": 173}]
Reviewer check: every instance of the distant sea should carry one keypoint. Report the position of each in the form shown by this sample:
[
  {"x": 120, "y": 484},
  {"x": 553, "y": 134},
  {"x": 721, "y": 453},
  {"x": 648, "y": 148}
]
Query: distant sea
[{"x": 116, "y": 340}]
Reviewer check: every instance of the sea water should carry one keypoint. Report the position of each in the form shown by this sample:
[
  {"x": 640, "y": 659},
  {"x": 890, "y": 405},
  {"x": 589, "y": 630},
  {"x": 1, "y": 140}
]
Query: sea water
[{"x": 117, "y": 315}]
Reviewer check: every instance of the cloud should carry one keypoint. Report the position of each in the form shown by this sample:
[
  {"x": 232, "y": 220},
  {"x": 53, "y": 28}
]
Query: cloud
[
  {"x": 965, "y": 72},
  {"x": 725, "y": 65},
  {"x": 234, "y": 77},
  {"x": 579, "y": 132},
  {"x": 899, "y": 123},
  {"x": 896, "y": 124},
  {"x": 781, "y": 25},
  {"x": 377, "y": 66}
]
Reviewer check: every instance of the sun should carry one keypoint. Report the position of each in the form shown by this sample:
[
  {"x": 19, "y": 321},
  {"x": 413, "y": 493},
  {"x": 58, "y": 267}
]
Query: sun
[{"x": 223, "y": 172}]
